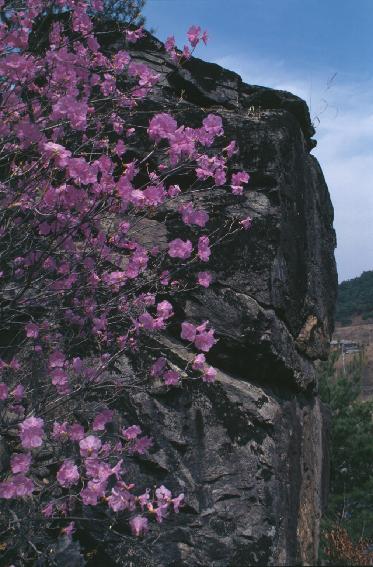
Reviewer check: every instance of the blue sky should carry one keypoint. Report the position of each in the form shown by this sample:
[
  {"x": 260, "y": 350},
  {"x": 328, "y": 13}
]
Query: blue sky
[{"x": 321, "y": 50}]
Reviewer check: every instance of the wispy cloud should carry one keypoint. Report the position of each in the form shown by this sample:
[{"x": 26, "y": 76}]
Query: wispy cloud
[{"x": 342, "y": 111}]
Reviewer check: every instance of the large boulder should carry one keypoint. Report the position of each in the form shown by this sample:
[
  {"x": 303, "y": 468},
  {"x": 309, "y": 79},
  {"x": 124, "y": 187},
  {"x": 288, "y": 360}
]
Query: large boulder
[{"x": 248, "y": 451}]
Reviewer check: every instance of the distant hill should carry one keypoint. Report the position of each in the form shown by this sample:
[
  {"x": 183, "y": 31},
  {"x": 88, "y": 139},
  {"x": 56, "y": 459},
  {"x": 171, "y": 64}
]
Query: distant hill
[{"x": 355, "y": 297}]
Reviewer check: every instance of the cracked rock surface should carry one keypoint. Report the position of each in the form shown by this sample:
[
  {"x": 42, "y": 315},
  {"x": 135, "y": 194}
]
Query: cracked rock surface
[{"x": 249, "y": 450}]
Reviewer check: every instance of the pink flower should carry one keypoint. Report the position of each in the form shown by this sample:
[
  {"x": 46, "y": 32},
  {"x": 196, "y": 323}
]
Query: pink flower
[
  {"x": 69, "y": 529},
  {"x": 32, "y": 330},
  {"x": 178, "y": 502},
  {"x": 205, "y": 37},
  {"x": 76, "y": 432},
  {"x": 18, "y": 392},
  {"x": 20, "y": 462},
  {"x": 90, "y": 446},
  {"x": 163, "y": 495},
  {"x": 23, "y": 485},
  {"x": 180, "y": 249},
  {"x": 131, "y": 432},
  {"x": 31, "y": 432},
  {"x": 56, "y": 359},
  {"x": 204, "y": 250},
  {"x": 246, "y": 223},
  {"x": 164, "y": 309},
  {"x": 3, "y": 391},
  {"x": 171, "y": 378},
  {"x": 209, "y": 374},
  {"x": 198, "y": 362},
  {"x": 60, "y": 430},
  {"x": 170, "y": 44},
  {"x": 205, "y": 341},
  {"x": 142, "y": 445},
  {"x": 102, "y": 419},
  {"x": 47, "y": 511},
  {"x": 173, "y": 191},
  {"x": 139, "y": 525},
  {"x": 134, "y": 35},
  {"x": 204, "y": 279},
  {"x": 68, "y": 474},
  {"x": 120, "y": 499},
  {"x": 60, "y": 154},
  {"x": 82, "y": 172},
  {"x": 158, "y": 367},
  {"x": 231, "y": 148},
  {"x": 194, "y": 35},
  {"x": 161, "y": 126},
  {"x": 237, "y": 180},
  {"x": 213, "y": 124},
  {"x": 188, "y": 331}
]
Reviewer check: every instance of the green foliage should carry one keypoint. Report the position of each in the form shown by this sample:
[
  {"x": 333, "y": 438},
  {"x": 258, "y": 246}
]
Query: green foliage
[
  {"x": 355, "y": 297},
  {"x": 351, "y": 492}
]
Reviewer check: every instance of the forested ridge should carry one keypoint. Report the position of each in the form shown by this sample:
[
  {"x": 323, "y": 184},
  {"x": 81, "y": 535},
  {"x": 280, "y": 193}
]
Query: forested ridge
[{"x": 355, "y": 297}]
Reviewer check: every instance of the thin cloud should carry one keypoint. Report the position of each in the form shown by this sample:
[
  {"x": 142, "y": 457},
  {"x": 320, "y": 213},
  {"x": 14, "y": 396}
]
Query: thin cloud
[{"x": 341, "y": 108}]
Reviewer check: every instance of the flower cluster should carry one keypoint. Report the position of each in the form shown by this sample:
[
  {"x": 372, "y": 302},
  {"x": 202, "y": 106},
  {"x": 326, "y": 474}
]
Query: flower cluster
[{"x": 84, "y": 278}]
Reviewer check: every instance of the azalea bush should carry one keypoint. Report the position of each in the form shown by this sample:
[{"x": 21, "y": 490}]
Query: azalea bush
[{"x": 87, "y": 165}]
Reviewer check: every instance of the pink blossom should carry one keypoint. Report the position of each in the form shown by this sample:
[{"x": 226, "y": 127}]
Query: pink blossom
[
  {"x": 139, "y": 525},
  {"x": 141, "y": 445},
  {"x": 164, "y": 309},
  {"x": 173, "y": 191},
  {"x": 237, "y": 180},
  {"x": 76, "y": 432},
  {"x": 69, "y": 529},
  {"x": 31, "y": 432},
  {"x": 209, "y": 374},
  {"x": 47, "y": 511},
  {"x": 180, "y": 249},
  {"x": 171, "y": 378},
  {"x": 213, "y": 124},
  {"x": 102, "y": 419},
  {"x": 198, "y": 362},
  {"x": 194, "y": 35},
  {"x": 18, "y": 486},
  {"x": 56, "y": 359},
  {"x": 68, "y": 474},
  {"x": 163, "y": 495},
  {"x": 191, "y": 216},
  {"x": 186, "y": 52},
  {"x": 158, "y": 367},
  {"x": 204, "y": 279},
  {"x": 131, "y": 432},
  {"x": 20, "y": 462},
  {"x": 57, "y": 152},
  {"x": 60, "y": 430},
  {"x": 246, "y": 223},
  {"x": 231, "y": 148},
  {"x": 161, "y": 512},
  {"x": 82, "y": 172},
  {"x": 120, "y": 60},
  {"x": 205, "y": 37},
  {"x": 204, "y": 250},
  {"x": 161, "y": 126},
  {"x": 178, "y": 502},
  {"x": 170, "y": 44},
  {"x": 18, "y": 392},
  {"x": 32, "y": 330},
  {"x": 3, "y": 391},
  {"x": 121, "y": 499},
  {"x": 205, "y": 341},
  {"x": 90, "y": 446},
  {"x": 134, "y": 35},
  {"x": 188, "y": 331}
]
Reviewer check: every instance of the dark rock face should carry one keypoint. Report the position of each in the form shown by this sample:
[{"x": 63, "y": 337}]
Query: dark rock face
[{"x": 248, "y": 450}]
